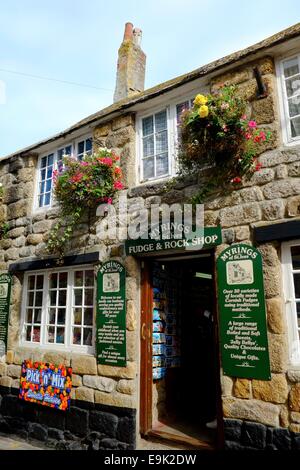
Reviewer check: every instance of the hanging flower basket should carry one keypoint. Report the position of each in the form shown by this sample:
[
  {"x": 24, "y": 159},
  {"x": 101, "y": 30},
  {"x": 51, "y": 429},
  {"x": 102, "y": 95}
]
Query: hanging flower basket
[
  {"x": 216, "y": 133},
  {"x": 81, "y": 185}
]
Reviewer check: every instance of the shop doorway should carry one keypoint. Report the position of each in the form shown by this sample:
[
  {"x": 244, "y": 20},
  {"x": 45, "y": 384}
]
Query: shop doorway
[{"x": 179, "y": 363}]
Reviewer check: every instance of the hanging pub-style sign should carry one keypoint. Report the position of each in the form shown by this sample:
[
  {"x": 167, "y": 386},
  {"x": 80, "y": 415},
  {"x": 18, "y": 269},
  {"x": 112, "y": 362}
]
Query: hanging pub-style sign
[
  {"x": 5, "y": 293},
  {"x": 111, "y": 314},
  {"x": 243, "y": 328}
]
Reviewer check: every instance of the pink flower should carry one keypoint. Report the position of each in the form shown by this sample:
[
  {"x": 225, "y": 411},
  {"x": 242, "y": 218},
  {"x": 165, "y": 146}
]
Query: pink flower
[
  {"x": 248, "y": 135},
  {"x": 76, "y": 178},
  {"x": 262, "y": 136},
  {"x": 118, "y": 185},
  {"x": 107, "y": 161},
  {"x": 84, "y": 163},
  {"x": 244, "y": 117},
  {"x": 252, "y": 124}
]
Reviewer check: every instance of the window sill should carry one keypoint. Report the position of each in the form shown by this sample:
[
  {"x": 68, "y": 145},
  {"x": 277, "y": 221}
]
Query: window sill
[{"x": 56, "y": 349}]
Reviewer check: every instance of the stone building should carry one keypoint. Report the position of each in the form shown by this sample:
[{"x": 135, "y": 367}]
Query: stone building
[{"x": 113, "y": 406}]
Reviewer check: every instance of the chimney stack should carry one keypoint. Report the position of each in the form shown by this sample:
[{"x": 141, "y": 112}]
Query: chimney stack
[{"x": 131, "y": 64}]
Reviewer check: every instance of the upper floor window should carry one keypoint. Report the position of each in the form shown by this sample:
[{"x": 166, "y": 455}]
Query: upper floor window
[
  {"x": 291, "y": 271},
  {"x": 290, "y": 76},
  {"x": 54, "y": 160},
  {"x": 58, "y": 308},
  {"x": 159, "y": 137}
]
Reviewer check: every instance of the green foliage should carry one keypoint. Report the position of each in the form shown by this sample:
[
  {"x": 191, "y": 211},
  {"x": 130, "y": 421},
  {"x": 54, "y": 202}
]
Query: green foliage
[{"x": 4, "y": 228}]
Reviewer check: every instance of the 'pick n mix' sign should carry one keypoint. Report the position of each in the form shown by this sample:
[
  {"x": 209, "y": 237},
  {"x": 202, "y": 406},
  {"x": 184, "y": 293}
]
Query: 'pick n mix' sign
[{"x": 46, "y": 384}]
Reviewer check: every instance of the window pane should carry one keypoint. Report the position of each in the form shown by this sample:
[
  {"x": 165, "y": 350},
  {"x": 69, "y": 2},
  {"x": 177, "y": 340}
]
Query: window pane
[
  {"x": 63, "y": 280},
  {"x": 80, "y": 147},
  {"x": 77, "y": 336},
  {"x": 294, "y": 106},
  {"x": 40, "y": 282},
  {"x": 53, "y": 297},
  {"x": 47, "y": 199},
  {"x": 293, "y": 86},
  {"x": 29, "y": 316},
  {"x": 31, "y": 282},
  {"x": 62, "y": 298},
  {"x": 148, "y": 146},
  {"x": 50, "y": 159},
  {"x": 181, "y": 108},
  {"x": 60, "y": 335},
  {"x": 51, "y": 334},
  {"x": 39, "y": 299},
  {"x": 48, "y": 185},
  {"x": 295, "y": 127},
  {"x": 160, "y": 121},
  {"x": 61, "y": 316},
  {"x": 78, "y": 296},
  {"x": 78, "y": 278},
  {"x": 88, "y": 145},
  {"x": 295, "y": 251},
  {"x": 44, "y": 162},
  {"x": 77, "y": 316},
  {"x": 53, "y": 280},
  {"x": 41, "y": 201},
  {"x": 30, "y": 298},
  {"x": 37, "y": 315},
  {"x": 87, "y": 336},
  {"x": 88, "y": 316},
  {"x": 148, "y": 126},
  {"x": 42, "y": 187},
  {"x": 52, "y": 314},
  {"x": 162, "y": 165},
  {"x": 291, "y": 67},
  {"x": 36, "y": 334},
  {"x": 161, "y": 142},
  {"x": 28, "y": 333},
  {"x": 148, "y": 168},
  {"x": 297, "y": 285},
  {"x": 89, "y": 278},
  {"x": 89, "y": 297}
]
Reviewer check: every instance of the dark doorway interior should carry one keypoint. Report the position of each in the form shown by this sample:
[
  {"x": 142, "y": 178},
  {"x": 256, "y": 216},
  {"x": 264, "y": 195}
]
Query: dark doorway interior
[{"x": 183, "y": 348}]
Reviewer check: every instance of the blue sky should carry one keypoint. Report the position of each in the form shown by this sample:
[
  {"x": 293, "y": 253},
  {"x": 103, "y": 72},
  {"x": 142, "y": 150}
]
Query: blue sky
[{"x": 77, "y": 41}]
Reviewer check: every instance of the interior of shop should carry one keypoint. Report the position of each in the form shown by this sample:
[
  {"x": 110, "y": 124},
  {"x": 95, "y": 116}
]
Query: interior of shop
[{"x": 183, "y": 348}]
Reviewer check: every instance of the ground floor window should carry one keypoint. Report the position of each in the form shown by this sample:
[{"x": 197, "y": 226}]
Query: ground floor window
[
  {"x": 58, "y": 308},
  {"x": 291, "y": 276}
]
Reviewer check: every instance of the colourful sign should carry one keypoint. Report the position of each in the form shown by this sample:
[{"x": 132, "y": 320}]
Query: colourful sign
[
  {"x": 243, "y": 326},
  {"x": 46, "y": 384},
  {"x": 111, "y": 314},
  {"x": 5, "y": 293}
]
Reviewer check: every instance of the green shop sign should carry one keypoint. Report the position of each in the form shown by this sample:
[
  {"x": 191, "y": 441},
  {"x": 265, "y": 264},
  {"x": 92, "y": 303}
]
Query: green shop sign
[
  {"x": 111, "y": 314},
  {"x": 205, "y": 238},
  {"x": 5, "y": 292},
  {"x": 243, "y": 329}
]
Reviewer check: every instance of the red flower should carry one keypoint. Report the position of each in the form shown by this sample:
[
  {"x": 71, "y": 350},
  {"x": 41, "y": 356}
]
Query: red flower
[{"x": 236, "y": 180}]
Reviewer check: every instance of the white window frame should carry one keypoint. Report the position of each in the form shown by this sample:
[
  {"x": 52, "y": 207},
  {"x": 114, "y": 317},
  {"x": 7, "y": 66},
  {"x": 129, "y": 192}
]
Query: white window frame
[
  {"x": 68, "y": 346},
  {"x": 172, "y": 137},
  {"x": 54, "y": 151},
  {"x": 283, "y": 101},
  {"x": 290, "y": 303}
]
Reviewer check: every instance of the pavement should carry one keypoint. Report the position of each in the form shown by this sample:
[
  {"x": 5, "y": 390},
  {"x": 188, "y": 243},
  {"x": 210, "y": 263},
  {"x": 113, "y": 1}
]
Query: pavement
[{"x": 14, "y": 443}]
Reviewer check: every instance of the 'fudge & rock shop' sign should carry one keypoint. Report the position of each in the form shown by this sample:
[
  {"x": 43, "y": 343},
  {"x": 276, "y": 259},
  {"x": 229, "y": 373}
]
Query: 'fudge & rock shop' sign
[{"x": 243, "y": 330}]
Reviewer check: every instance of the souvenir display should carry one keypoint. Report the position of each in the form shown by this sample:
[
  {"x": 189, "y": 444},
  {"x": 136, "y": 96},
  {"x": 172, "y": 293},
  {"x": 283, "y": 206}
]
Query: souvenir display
[{"x": 166, "y": 322}]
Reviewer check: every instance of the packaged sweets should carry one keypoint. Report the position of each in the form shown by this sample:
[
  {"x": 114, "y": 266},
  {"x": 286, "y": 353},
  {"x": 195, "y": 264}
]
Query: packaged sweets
[
  {"x": 159, "y": 372},
  {"x": 158, "y": 349},
  {"x": 158, "y": 315},
  {"x": 158, "y": 327},
  {"x": 159, "y": 338},
  {"x": 158, "y": 361},
  {"x": 159, "y": 304}
]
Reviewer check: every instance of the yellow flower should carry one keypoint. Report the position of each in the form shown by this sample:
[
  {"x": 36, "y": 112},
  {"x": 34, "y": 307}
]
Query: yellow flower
[
  {"x": 203, "y": 111},
  {"x": 200, "y": 100}
]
